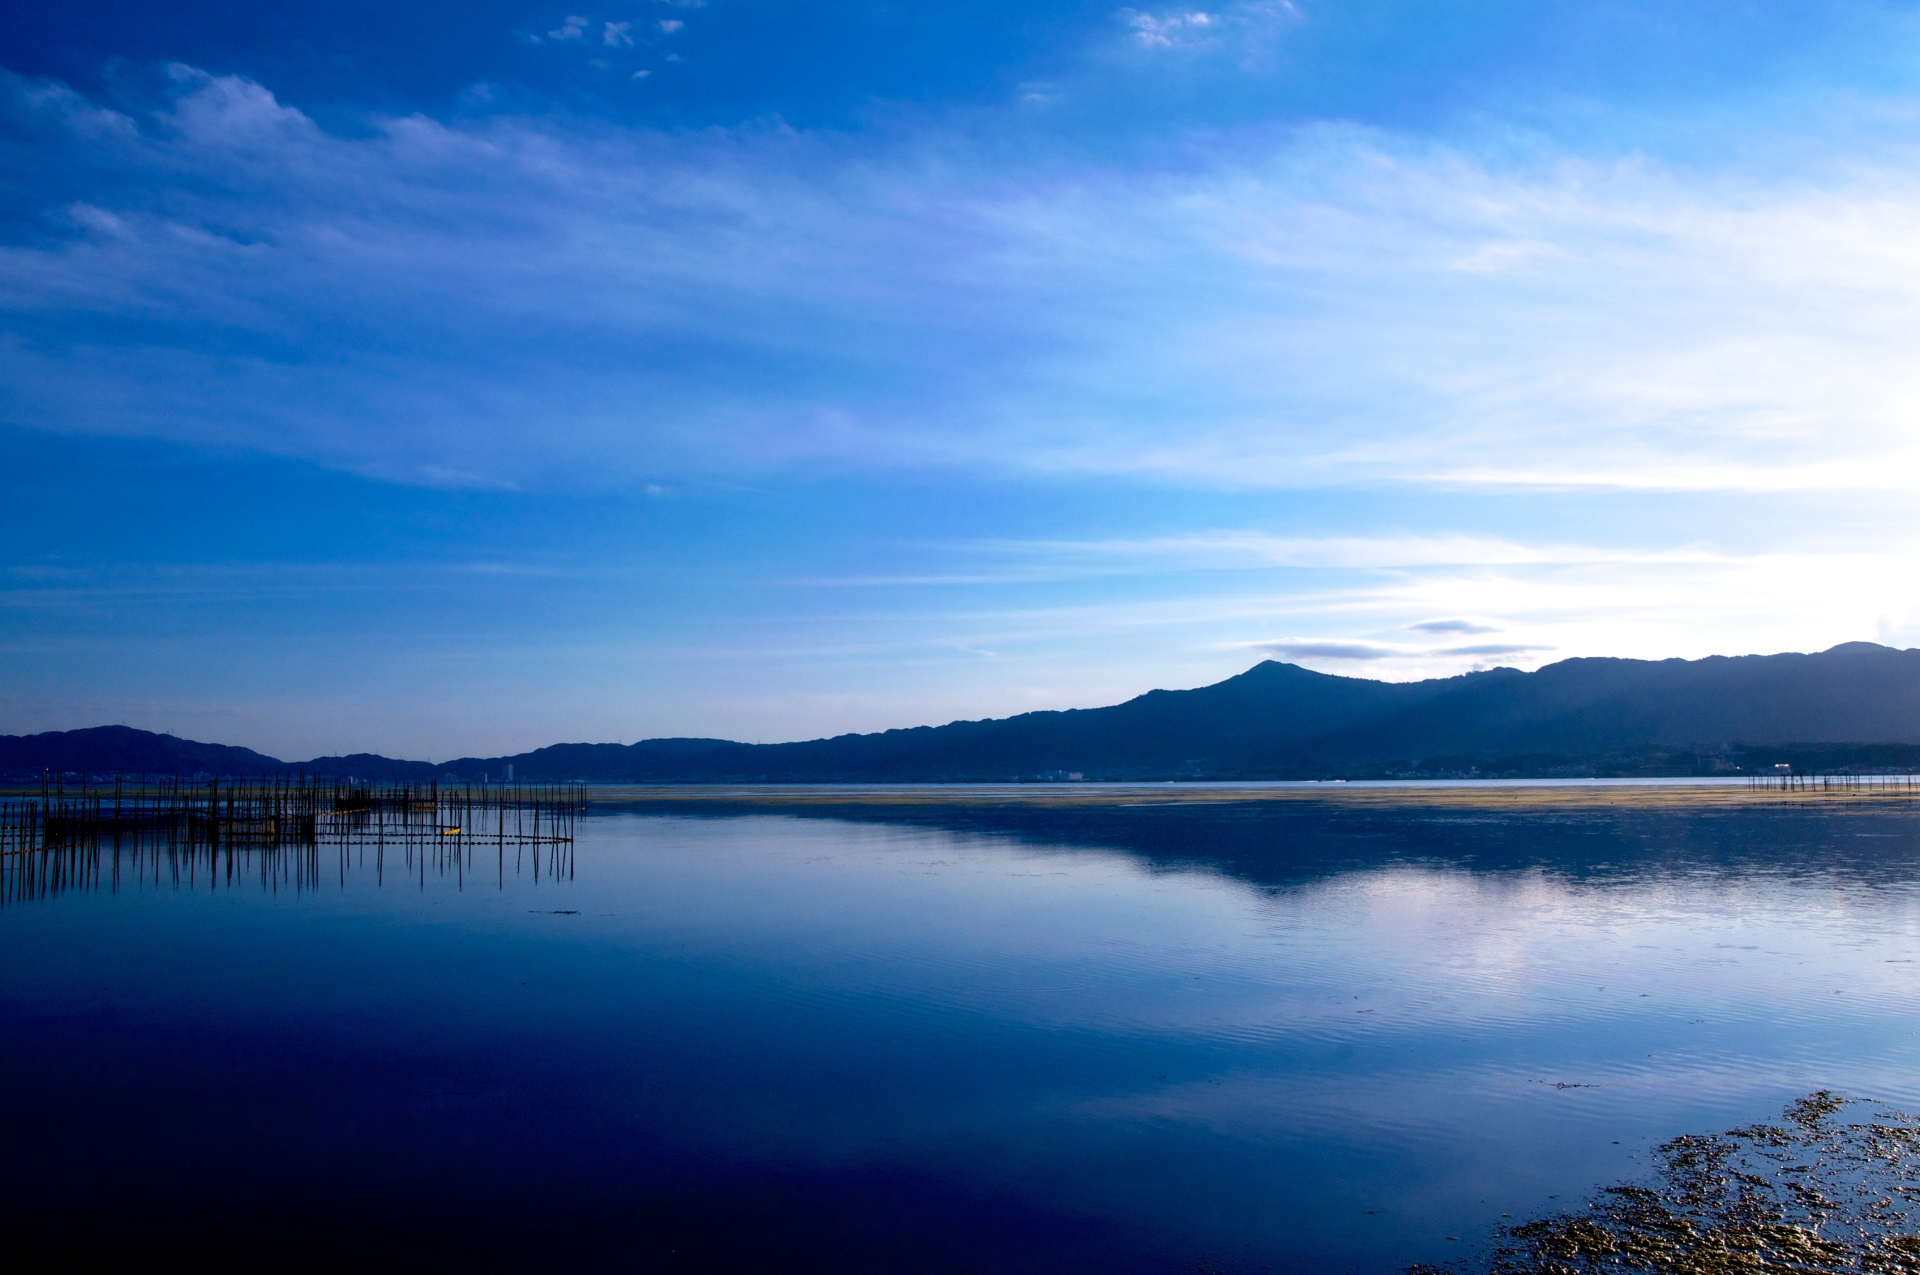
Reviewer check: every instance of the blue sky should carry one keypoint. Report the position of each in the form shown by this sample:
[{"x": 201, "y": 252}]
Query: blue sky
[{"x": 469, "y": 378}]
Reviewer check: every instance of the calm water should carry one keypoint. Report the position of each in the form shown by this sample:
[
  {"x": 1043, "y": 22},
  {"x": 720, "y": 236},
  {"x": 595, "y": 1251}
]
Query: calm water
[{"x": 1306, "y": 1039}]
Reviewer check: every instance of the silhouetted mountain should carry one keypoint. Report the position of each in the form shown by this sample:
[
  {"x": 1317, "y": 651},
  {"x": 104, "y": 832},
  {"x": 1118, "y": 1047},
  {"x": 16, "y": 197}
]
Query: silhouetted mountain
[
  {"x": 1279, "y": 720},
  {"x": 367, "y": 766},
  {"x": 1857, "y": 704},
  {"x": 569, "y": 761},
  {"x": 1856, "y": 692},
  {"x": 105, "y": 749}
]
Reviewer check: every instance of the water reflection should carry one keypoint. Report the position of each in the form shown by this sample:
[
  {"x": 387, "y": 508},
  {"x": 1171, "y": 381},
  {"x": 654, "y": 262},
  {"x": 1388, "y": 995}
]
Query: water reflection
[
  {"x": 145, "y": 861},
  {"x": 281, "y": 833},
  {"x": 1281, "y": 843},
  {"x": 982, "y": 1040}
]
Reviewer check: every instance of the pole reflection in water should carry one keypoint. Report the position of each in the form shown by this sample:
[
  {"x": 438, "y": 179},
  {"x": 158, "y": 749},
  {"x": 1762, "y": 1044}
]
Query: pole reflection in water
[{"x": 280, "y": 833}]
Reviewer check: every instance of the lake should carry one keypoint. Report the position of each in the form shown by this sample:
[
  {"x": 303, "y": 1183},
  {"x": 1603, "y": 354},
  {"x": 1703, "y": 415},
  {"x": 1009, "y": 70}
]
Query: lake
[{"x": 1298, "y": 1035}]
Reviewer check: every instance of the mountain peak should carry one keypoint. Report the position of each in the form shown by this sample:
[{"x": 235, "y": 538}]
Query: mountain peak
[
  {"x": 1274, "y": 719},
  {"x": 1862, "y": 648}
]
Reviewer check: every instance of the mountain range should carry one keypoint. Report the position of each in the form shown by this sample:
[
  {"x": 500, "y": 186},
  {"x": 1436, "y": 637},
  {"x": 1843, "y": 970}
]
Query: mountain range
[{"x": 1856, "y": 705}]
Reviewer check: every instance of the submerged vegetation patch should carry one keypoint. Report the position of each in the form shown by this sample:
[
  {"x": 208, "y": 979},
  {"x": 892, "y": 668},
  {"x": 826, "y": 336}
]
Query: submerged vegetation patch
[{"x": 1814, "y": 1193}]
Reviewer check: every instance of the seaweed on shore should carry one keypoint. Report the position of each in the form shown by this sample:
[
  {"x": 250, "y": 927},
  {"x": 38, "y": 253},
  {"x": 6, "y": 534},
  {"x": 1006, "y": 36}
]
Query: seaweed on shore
[{"x": 1812, "y": 1194}]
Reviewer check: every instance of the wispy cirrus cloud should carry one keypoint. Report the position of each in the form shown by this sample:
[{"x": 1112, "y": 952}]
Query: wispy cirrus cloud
[
  {"x": 1328, "y": 305},
  {"x": 1453, "y": 626},
  {"x": 1300, "y": 648},
  {"x": 1239, "y": 549},
  {"x": 1492, "y": 648},
  {"x": 1321, "y": 649}
]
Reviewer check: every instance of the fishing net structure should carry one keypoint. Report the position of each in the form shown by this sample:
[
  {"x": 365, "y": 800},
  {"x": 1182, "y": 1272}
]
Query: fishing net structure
[{"x": 1814, "y": 1193}]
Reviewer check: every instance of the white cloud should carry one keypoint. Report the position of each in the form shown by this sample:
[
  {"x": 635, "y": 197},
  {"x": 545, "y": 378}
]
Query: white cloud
[
  {"x": 1492, "y": 648},
  {"x": 1307, "y": 648},
  {"x": 98, "y": 220},
  {"x": 1289, "y": 313},
  {"x": 1176, "y": 29},
  {"x": 1362, "y": 598},
  {"x": 670, "y": 25},
  {"x": 1244, "y": 550},
  {"x": 618, "y": 35},
  {"x": 1352, "y": 650},
  {"x": 1240, "y": 29},
  {"x": 574, "y": 28},
  {"x": 1452, "y": 626}
]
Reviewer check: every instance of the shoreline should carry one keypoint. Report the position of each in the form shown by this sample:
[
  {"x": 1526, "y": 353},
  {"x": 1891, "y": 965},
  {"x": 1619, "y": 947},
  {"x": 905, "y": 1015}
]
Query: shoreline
[{"x": 1679, "y": 794}]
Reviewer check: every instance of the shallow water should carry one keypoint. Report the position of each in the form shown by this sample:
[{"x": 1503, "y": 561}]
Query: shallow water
[{"x": 1112, "y": 1040}]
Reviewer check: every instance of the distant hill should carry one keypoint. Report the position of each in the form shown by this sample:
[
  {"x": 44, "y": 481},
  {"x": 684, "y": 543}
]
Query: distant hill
[
  {"x": 1857, "y": 704},
  {"x": 105, "y": 749}
]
